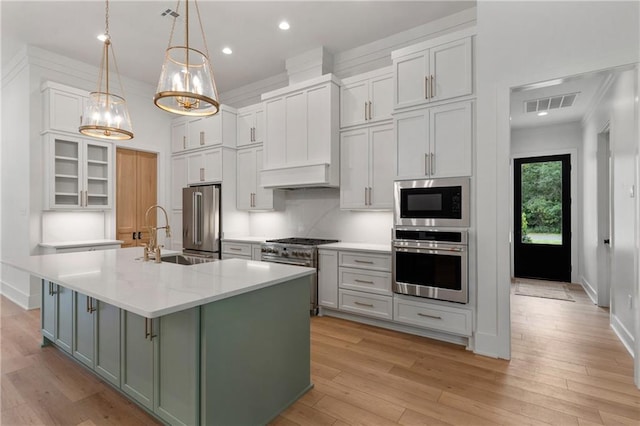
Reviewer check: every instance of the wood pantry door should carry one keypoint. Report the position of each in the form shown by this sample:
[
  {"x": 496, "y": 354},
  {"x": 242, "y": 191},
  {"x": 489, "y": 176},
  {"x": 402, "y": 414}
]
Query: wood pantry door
[{"x": 136, "y": 191}]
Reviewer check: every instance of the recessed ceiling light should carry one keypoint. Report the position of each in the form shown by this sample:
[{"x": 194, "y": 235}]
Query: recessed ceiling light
[
  {"x": 102, "y": 37},
  {"x": 284, "y": 25},
  {"x": 542, "y": 113},
  {"x": 227, "y": 51}
]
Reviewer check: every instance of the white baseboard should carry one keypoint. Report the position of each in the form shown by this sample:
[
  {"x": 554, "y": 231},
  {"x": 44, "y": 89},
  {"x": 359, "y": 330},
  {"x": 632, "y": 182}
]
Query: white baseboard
[
  {"x": 623, "y": 334},
  {"x": 18, "y": 297},
  {"x": 588, "y": 288}
]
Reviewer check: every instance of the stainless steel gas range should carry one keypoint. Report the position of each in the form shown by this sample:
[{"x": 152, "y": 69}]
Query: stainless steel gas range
[{"x": 296, "y": 251}]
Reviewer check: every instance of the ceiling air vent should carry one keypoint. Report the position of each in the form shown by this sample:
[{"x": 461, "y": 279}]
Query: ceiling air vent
[{"x": 544, "y": 104}]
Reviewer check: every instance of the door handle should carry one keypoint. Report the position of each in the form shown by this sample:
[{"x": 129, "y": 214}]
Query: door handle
[
  {"x": 607, "y": 241},
  {"x": 196, "y": 217},
  {"x": 370, "y": 104},
  {"x": 432, "y": 168},
  {"x": 139, "y": 235},
  {"x": 134, "y": 235}
]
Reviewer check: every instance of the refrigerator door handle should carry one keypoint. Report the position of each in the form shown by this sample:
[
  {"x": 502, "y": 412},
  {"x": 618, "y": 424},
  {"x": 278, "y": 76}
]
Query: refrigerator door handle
[{"x": 196, "y": 218}]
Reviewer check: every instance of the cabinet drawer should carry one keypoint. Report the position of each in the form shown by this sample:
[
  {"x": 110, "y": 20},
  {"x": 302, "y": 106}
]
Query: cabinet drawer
[
  {"x": 234, "y": 256},
  {"x": 442, "y": 318},
  {"x": 366, "y": 304},
  {"x": 237, "y": 249},
  {"x": 377, "y": 262},
  {"x": 368, "y": 281}
]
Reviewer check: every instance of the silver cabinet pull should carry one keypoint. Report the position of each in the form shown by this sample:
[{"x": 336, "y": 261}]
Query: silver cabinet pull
[
  {"x": 364, "y": 281},
  {"x": 368, "y": 262},
  {"x": 184, "y": 142},
  {"x": 148, "y": 329},
  {"x": 370, "y": 202},
  {"x": 432, "y": 91},
  {"x": 235, "y": 249},
  {"x": 429, "y": 316},
  {"x": 86, "y": 198},
  {"x": 426, "y": 164},
  {"x": 426, "y": 87},
  {"x": 201, "y": 174},
  {"x": 365, "y": 111},
  {"x": 432, "y": 169},
  {"x": 370, "y": 115},
  {"x": 201, "y": 138},
  {"x": 369, "y": 305}
]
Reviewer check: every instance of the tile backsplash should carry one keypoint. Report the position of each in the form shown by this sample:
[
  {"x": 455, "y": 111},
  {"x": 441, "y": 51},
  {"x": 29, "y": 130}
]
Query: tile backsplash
[{"x": 315, "y": 212}]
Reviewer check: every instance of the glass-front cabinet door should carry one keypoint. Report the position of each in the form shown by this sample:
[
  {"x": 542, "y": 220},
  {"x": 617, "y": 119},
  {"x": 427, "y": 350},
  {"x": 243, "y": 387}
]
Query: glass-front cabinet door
[{"x": 80, "y": 173}]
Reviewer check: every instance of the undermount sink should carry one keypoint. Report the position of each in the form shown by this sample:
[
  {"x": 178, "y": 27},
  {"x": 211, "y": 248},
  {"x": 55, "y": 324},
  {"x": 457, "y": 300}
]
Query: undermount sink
[{"x": 183, "y": 259}]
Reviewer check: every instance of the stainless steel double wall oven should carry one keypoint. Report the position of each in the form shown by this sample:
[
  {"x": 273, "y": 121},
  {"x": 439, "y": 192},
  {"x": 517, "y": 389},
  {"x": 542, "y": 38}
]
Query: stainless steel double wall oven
[{"x": 430, "y": 241}]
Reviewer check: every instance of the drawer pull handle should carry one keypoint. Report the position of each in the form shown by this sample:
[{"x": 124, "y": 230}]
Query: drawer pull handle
[
  {"x": 364, "y": 282},
  {"x": 429, "y": 316},
  {"x": 368, "y": 262},
  {"x": 369, "y": 305},
  {"x": 235, "y": 249}
]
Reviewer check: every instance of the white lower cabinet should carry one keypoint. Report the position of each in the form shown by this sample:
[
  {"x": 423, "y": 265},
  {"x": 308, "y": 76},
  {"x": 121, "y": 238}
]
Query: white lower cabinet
[
  {"x": 421, "y": 313},
  {"x": 359, "y": 282},
  {"x": 241, "y": 250},
  {"x": 366, "y": 304}
]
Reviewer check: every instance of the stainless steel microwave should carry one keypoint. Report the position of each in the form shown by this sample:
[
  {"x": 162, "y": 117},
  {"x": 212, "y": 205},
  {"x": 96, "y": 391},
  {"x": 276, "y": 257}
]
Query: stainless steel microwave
[{"x": 432, "y": 202}]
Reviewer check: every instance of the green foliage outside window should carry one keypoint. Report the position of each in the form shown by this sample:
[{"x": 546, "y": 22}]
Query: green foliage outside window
[{"x": 542, "y": 198}]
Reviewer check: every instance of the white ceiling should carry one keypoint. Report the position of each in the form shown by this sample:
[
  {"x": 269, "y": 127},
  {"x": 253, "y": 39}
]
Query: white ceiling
[
  {"x": 585, "y": 85},
  {"x": 140, "y": 35}
]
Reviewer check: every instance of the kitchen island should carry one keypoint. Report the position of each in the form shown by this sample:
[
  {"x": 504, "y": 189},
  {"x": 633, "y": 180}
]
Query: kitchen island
[{"x": 226, "y": 342}]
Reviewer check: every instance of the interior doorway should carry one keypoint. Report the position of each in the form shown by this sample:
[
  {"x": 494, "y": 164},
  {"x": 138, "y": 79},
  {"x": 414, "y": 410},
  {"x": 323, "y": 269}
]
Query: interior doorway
[
  {"x": 604, "y": 218},
  {"x": 136, "y": 191},
  {"x": 542, "y": 217}
]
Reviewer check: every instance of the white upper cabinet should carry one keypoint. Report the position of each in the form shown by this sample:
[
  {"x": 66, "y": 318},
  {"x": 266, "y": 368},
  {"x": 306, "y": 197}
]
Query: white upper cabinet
[
  {"x": 301, "y": 135},
  {"x": 366, "y": 98},
  {"x": 250, "y": 125},
  {"x": 250, "y": 195},
  {"x": 432, "y": 71},
  {"x": 436, "y": 141},
  {"x": 204, "y": 166},
  {"x": 79, "y": 173},
  {"x": 178, "y": 180},
  {"x": 189, "y": 133},
  {"x": 367, "y": 158},
  {"x": 179, "y": 134},
  {"x": 63, "y": 107}
]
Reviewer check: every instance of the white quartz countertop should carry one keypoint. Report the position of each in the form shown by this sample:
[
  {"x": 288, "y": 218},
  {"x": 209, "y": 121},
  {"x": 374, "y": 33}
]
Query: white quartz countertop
[
  {"x": 84, "y": 243},
  {"x": 120, "y": 277},
  {"x": 380, "y": 248}
]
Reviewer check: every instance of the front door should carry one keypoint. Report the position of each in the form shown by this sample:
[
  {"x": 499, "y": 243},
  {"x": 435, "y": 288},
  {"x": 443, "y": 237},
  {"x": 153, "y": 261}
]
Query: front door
[{"x": 542, "y": 217}]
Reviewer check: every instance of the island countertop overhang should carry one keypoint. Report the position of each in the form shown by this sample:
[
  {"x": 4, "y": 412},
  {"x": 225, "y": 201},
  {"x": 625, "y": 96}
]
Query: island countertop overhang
[{"x": 119, "y": 277}]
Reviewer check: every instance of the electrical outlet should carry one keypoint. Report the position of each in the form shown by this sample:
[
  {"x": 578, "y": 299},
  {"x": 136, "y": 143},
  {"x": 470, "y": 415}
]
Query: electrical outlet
[{"x": 630, "y": 302}]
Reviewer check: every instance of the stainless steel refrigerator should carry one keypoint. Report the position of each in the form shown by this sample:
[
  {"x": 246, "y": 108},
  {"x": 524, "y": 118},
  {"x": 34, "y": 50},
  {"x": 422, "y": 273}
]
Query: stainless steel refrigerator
[{"x": 201, "y": 220}]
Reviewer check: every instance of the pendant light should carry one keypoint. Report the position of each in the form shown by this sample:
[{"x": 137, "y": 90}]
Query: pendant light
[
  {"x": 186, "y": 84},
  {"x": 106, "y": 115}
]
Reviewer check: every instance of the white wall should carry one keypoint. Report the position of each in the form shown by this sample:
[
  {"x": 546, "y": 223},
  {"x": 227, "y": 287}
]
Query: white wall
[
  {"x": 519, "y": 43},
  {"x": 555, "y": 139},
  {"x": 316, "y": 213},
  {"x": 22, "y": 194}
]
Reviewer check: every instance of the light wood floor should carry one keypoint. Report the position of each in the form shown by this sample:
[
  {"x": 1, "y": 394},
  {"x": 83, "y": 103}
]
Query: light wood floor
[{"x": 567, "y": 368}]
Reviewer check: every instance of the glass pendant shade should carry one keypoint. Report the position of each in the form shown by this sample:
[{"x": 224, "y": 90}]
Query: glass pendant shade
[
  {"x": 186, "y": 84},
  {"x": 106, "y": 116}
]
